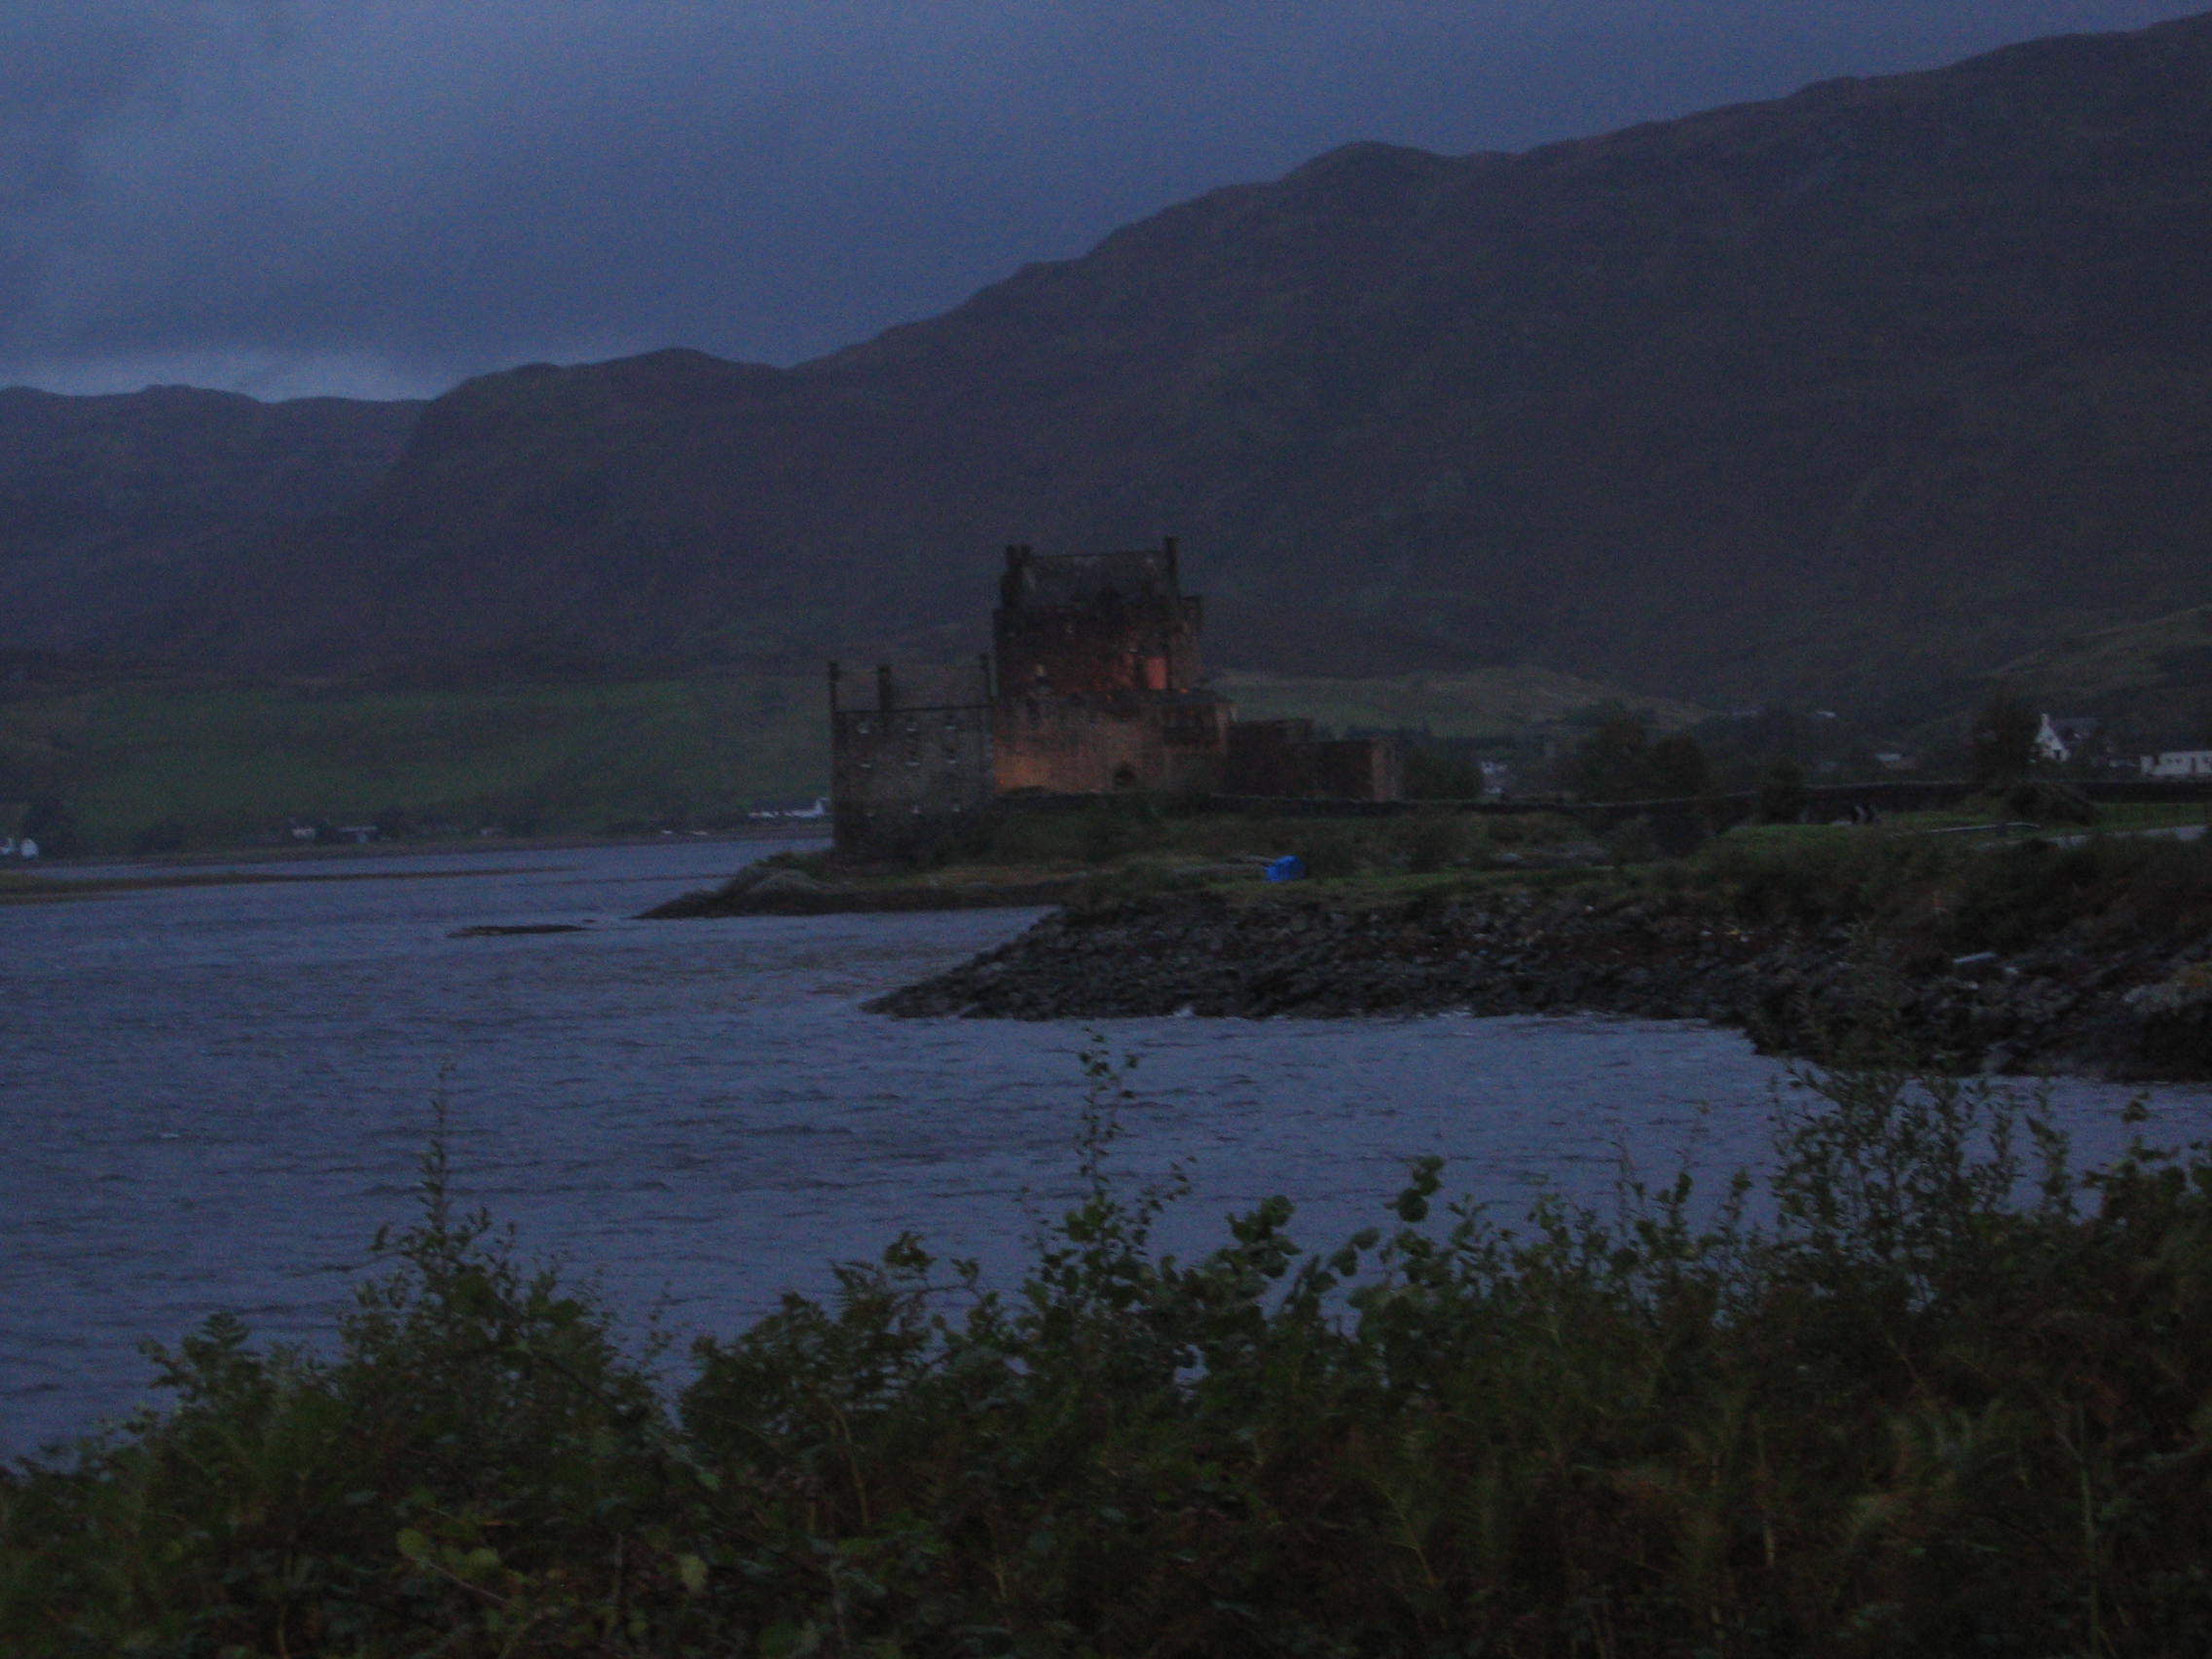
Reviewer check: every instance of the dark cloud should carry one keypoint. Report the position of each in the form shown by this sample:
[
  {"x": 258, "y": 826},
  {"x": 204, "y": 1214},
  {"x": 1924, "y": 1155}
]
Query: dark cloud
[{"x": 382, "y": 196}]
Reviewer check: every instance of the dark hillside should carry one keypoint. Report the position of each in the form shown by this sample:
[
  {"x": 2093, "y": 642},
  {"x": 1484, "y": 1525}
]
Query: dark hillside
[
  {"x": 110, "y": 506},
  {"x": 1846, "y": 395}
]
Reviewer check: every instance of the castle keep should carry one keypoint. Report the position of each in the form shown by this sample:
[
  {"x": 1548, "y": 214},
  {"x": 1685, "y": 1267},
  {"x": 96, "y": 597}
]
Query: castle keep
[
  {"x": 1098, "y": 677},
  {"x": 1097, "y": 688}
]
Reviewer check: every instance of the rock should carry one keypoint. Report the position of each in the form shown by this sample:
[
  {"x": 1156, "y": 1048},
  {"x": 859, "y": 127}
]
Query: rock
[
  {"x": 493, "y": 929},
  {"x": 1573, "y": 950}
]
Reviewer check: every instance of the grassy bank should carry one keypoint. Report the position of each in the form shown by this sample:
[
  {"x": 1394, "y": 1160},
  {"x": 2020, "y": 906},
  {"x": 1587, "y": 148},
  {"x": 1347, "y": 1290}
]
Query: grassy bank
[
  {"x": 1136, "y": 836},
  {"x": 1120, "y": 845},
  {"x": 1909, "y": 878},
  {"x": 1947, "y": 1399},
  {"x": 1909, "y": 885}
]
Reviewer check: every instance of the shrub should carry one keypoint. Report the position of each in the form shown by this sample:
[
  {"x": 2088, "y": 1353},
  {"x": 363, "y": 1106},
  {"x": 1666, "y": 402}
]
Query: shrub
[
  {"x": 52, "y": 823},
  {"x": 1333, "y": 851},
  {"x": 1632, "y": 842},
  {"x": 2049, "y": 801},
  {"x": 1115, "y": 826},
  {"x": 1947, "y": 1399},
  {"x": 165, "y": 835},
  {"x": 1435, "y": 841},
  {"x": 1433, "y": 772},
  {"x": 2001, "y": 743},
  {"x": 1782, "y": 798}
]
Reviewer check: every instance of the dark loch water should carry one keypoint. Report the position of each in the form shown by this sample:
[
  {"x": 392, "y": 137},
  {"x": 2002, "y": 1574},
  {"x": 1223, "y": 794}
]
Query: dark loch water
[{"x": 210, "y": 1098}]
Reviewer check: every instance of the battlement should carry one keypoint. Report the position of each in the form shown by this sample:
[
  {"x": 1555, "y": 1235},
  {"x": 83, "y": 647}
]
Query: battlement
[
  {"x": 1032, "y": 582},
  {"x": 1094, "y": 624},
  {"x": 910, "y": 686}
]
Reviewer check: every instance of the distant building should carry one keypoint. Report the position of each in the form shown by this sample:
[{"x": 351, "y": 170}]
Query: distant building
[
  {"x": 780, "y": 811},
  {"x": 2179, "y": 763},
  {"x": 1097, "y": 689},
  {"x": 2061, "y": 738}
]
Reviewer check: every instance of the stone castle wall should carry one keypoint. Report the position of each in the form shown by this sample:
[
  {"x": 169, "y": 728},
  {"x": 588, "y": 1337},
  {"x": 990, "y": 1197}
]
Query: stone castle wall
[{"x": 911, "y": 754}]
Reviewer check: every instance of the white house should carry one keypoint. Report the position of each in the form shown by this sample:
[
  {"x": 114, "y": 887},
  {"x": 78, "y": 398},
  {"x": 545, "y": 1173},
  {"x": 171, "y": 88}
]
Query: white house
[
  {"x": 2066, "y": 737},
  {"x": 2179, "y": 763}
]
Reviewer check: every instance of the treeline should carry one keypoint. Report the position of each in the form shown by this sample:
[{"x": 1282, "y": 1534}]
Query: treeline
[
  {"x": 1621, "y": 756},
  {"x": 1921, "y": 1391}
]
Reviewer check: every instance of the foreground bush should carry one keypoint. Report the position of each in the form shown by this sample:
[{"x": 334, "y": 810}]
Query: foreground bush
[{"x": 1943, "y": 1397}]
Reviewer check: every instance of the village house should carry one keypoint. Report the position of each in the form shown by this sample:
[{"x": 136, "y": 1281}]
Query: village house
[
  {"x": 1094, "y": 685},
  {"x": 2064, "y": 738}
]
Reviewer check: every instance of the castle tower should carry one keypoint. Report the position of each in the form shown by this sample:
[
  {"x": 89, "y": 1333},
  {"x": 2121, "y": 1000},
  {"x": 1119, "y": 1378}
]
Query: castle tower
[
  {"x": 1096, "y": 624},
  {"x": 1098, "y": 676}
]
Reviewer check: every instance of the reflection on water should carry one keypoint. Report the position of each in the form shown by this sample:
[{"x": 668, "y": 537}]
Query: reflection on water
[{"x": 211, "y": 1097}]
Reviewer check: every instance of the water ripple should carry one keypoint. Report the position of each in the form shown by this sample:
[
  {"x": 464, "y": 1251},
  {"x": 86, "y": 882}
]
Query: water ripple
[{"x": 213, "y": 1097}]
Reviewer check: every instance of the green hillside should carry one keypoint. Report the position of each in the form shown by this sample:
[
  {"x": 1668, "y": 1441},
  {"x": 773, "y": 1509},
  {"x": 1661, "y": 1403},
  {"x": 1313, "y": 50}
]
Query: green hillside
[
  {"x": 224, "y": 765},
  {"x": 1474, "y": 703},
  {"x": 2154, "y": 677},
  {"x": 162, "y": 763}
]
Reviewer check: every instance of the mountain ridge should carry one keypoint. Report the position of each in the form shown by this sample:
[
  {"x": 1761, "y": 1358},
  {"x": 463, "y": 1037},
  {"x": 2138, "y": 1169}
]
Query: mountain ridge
[
  {"x": 113, "y": 506},
  {"x": 1851, "y": 394}
]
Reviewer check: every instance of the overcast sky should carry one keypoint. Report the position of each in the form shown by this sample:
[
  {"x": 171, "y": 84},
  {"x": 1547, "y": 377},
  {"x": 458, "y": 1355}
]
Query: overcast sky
[{"x": 381, "y": 197}]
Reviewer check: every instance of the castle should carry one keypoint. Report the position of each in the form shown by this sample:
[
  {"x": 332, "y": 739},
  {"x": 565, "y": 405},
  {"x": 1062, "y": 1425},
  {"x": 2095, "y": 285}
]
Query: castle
[{"x": 1097, "y": 690}]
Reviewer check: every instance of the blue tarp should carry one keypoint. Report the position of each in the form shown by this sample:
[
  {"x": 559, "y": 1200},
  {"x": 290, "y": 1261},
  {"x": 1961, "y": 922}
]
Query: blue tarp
[{"x": 1291, "y": 867}]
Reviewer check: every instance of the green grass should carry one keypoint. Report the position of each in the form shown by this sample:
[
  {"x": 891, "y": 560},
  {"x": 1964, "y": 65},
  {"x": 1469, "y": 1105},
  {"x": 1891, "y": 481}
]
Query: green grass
[
  {"x": 2113, "y": 818},
  {"x": 224, "y": 765},
  {"x": 1142, "y": 836},
  {"x": 228, "y": 765},
  {"x": 2120, "y": 815}
]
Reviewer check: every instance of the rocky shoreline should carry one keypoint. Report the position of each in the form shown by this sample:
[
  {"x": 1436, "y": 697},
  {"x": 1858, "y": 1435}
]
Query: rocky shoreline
[{"x": 2141, "y": 1011}]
